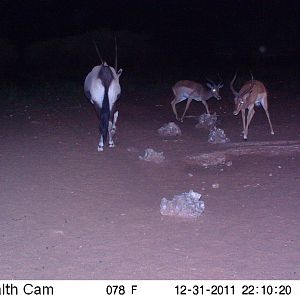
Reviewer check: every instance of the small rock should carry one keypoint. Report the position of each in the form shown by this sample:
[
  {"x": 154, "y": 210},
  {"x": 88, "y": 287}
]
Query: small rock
[
  {"x": 228, "y": 163},
  {"x": 170, "y": 129},
  {"x": 153, "y": 156}
]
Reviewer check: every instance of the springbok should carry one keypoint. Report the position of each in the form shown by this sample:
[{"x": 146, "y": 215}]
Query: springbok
[
  {"x": 190, "y": 90},
  {"x": 252, "y": 93},
  {"x": 102, "y": 88}
]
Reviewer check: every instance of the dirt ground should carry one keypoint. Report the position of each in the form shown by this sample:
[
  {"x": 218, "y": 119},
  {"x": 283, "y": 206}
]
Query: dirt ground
[{"x": 69, "y": 212}]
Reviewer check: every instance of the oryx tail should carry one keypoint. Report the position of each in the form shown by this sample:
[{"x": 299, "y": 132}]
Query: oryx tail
[{"x": 106, "y": 77}]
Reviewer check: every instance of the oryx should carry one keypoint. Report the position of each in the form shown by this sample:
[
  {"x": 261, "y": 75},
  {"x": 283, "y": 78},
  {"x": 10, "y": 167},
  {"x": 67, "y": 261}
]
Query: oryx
[{"x": 102, "y": 88}]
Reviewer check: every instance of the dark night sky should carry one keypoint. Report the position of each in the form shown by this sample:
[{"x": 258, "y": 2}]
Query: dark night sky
[
  {"x": 184, "y": 25},
  {"x": 274, "y": 21}
]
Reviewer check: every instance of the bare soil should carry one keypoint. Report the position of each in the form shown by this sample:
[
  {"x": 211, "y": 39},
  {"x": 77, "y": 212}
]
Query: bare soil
[{"x": 69, "y": 212}]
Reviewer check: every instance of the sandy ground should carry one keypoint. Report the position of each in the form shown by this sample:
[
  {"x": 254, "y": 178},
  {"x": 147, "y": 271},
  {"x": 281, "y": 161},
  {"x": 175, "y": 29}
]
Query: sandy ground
[{"x": 69, "y": 212}]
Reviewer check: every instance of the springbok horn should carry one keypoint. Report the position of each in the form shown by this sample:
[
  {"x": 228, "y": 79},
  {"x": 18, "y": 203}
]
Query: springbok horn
[
  {"x": 209, "y": 80},
  {"x": 231, "y": 85}
]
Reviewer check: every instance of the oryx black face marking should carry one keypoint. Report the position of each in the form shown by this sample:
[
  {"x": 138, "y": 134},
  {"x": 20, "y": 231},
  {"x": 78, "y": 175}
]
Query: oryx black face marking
[{"x": 105, "y": 75}]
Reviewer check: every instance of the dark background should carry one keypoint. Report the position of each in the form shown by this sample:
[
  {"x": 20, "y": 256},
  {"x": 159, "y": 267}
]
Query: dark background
[
  {"x": 69, "y": 212},
  {"x": 158, "y": 40}
]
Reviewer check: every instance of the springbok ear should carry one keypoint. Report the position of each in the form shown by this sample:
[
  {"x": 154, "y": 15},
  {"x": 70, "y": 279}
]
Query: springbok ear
[
  {"x": 209, "y": 85},
  {"x": 119, "y": 72}
]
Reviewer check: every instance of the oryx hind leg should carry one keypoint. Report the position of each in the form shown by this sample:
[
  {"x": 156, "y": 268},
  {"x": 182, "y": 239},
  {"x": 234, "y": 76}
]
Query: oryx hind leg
[
  {"x": 114, "y": 127},
  {"x": 101, "y": 144},
  {"x": 111, "y": 132},
  {"x": 98, "y": 112}
]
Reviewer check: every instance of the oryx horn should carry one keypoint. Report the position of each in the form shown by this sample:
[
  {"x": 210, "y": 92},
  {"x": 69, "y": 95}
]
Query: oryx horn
[
  {"x": 116, "y": 54},
  {"x": 98, "y": 52}
]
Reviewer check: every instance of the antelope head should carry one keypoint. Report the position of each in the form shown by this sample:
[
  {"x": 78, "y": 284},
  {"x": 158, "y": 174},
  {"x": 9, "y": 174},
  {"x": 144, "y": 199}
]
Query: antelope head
[
  {"x": 240, "y": 98},
  {"x": 118, "y": 72},
  {"x": 214, "y": 88}
]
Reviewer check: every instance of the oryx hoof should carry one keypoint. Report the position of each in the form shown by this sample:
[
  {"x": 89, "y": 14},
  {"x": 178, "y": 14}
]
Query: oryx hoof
[
  {"x": 245, "y": 139},
  {"x": 111, "y": 145},
  {"x": 100, "y": 148},
  {"x": 272, "y": 132}
]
